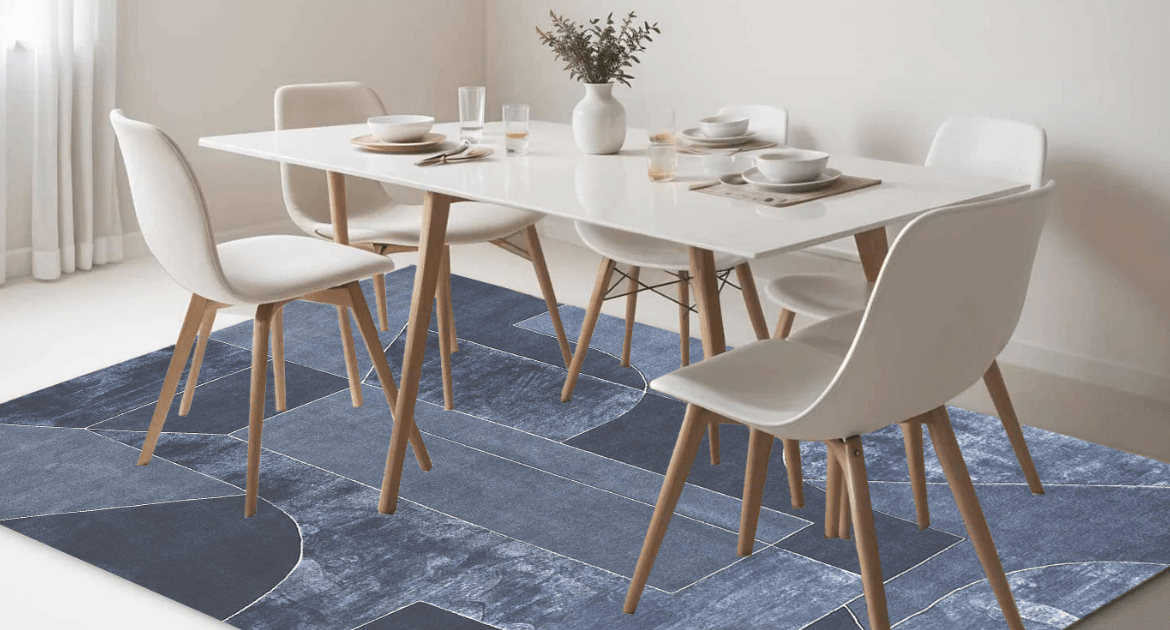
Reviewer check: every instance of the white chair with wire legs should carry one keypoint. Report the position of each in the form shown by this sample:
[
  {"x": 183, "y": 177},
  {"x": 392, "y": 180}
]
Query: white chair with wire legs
[
  {"x": 945, "y": 304},
  {"x": 636, "y": 252},
  {"x": 265, "y": 271},
  {"x": 989, "y": 147}
]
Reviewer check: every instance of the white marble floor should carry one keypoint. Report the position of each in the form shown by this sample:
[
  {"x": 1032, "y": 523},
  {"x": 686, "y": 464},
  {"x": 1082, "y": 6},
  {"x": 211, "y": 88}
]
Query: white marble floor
[{"x": 51, "y": 332}]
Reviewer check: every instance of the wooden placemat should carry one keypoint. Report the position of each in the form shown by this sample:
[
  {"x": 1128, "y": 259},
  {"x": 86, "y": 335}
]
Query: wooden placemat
[{"x": 746, "y": 192}]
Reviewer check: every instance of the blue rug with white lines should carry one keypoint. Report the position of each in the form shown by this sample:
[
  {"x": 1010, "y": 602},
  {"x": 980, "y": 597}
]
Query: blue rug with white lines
[{"x": 535, "y": 511}]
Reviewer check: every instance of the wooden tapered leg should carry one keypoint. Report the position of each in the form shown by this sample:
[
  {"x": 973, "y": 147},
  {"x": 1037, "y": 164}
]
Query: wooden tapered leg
[
  {"x": 536, "y": 255},
  {"x": 278, "y": 358},
  {"x": 447, "y": 301},
  {"x": 784, "y": 324},
  {"x": 183, "y": 345},
  {"x": 993, "y": 379},
  {"x": 361, "y": 315},
  {"x": 795, "y": 473},
  {"x": 604, "y": 273},
  {"x": 684, "y": 318},
  {"x": 844, "y": 519},
  {"x": 380, "y": 301},
  {"x": 751, "y": 299},
  {"x": 916, "y": 462},
  {"x": 872, "y": 248},
  {"x": 444, "y": 321},
  {"x": 685, "y": 450},
  {"x": 351, "y": 366},
  {"x": 951, "y": 458},
  {"x": 833, "y": 492},
  {"x": 260, "y": 328},
  {"x": 197, "y": 361},
  {"x": 436, "y": 207},
  {"x": 710, "y": 320},
  {"x": 631, "y": 308},
  {"x": 857, "y": 484},
  {"x": 759, "y": 450}
]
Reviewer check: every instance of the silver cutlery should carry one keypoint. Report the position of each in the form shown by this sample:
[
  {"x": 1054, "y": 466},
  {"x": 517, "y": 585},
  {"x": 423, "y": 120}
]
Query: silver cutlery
[
  {"x": 693, "y": 150},
  {"x": 442, "y": 157}
]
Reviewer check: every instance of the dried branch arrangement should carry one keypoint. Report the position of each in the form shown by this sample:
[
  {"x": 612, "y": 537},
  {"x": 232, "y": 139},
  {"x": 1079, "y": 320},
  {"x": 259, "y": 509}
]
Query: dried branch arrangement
[{"x": 600, "y": 52}]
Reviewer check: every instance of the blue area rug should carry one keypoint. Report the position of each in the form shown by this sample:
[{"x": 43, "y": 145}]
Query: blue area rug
[{"x": 535, "y": 511}]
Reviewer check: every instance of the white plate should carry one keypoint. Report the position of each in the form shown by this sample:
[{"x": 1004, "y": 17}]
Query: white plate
[
  {"x": 695, "y": 135},
  {"x": 753, "y": 177}
]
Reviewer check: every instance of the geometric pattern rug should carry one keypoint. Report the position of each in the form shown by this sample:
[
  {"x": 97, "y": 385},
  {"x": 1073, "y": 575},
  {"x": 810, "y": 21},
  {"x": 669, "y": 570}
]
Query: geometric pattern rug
[{"x": 534, "y": 513}]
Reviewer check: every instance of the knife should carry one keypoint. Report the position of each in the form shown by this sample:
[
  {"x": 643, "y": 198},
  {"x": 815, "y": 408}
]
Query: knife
[{"x": 438, "y": 158}]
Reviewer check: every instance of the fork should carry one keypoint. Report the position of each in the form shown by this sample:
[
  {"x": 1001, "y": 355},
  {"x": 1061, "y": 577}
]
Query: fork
[{"x": 443, "y": 156}]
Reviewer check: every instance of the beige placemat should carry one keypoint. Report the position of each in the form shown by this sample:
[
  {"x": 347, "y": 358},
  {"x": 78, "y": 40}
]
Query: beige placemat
[{"x": 846, "y": 183}]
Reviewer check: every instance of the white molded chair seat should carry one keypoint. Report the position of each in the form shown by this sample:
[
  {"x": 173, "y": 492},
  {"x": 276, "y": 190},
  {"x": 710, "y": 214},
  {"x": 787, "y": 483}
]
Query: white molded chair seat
[
  {"x": 645, "y": 251},
  {"x": 820, "y": 295},
  {"x": 833, "y": 335},
  {"x": 267, "y": 269},
  {"x": 401, "y": 224}
]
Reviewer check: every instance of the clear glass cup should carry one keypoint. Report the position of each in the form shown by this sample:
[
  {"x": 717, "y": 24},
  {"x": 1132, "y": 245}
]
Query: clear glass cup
[
  {"x": 516, "y": 129},
  {"x": 471, "y": 103},
  {"x": 662, "y": 126},
  {"x": 663, "y": 162}
]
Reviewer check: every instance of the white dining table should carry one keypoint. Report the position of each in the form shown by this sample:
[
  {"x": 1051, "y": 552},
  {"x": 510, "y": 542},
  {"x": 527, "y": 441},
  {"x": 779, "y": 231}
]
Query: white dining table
[{"x": 612, "y": 191}]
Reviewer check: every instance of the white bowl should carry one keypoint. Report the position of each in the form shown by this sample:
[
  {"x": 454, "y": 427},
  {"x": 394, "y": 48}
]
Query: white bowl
[
  {"x": 400, "y": 127},
  {"x": 789, "y": 166},
  {"x": 723, "y": 126}
]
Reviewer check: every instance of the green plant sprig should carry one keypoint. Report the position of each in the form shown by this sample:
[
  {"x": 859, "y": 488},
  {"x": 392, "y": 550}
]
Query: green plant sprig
[{"x": 601, "y": 52}]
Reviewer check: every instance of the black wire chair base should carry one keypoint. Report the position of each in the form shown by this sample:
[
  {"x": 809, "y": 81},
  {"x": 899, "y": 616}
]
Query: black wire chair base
[{"x": 723, "y": 276}]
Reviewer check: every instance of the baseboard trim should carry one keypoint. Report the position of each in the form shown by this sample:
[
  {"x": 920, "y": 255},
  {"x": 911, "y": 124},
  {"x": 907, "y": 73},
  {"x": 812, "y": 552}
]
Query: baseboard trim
[{"x": 1122, "y": 378}]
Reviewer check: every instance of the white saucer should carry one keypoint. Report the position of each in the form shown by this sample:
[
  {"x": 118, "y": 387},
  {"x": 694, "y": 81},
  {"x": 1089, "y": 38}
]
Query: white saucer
[
  {"x": 828, "y": 176},
  {"x": 696, "y": 136},
  {"x": 426, "y": 143}
]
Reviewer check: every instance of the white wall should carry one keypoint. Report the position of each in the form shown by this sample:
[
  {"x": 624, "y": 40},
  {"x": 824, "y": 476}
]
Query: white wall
[{"x": 876, "y": 77}]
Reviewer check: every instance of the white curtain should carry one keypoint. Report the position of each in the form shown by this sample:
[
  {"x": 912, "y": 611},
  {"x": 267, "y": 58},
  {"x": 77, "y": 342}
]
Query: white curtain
[{"x": 74, "y": 216}]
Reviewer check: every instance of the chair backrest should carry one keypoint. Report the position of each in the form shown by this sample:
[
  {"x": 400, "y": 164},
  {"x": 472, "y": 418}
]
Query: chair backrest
[
  {"x": 306, "y": 194},
  {"x": 769, "y": 123},
  {"x": 170, "y": 208},
  {"x": 945, "y": 304},
  {"x": 991, "y": 147}
]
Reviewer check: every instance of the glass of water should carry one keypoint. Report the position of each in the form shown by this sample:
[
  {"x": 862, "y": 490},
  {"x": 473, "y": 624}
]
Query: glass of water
[
  {"x": 516, "y": 129},
  {"x": 663, "y": 156},
  {"x": 471, "y": 102}
]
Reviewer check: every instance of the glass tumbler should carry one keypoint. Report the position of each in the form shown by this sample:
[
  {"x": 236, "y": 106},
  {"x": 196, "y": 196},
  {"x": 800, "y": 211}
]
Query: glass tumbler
[
  {"x": 663, "y": 160},
  {"x": 471, "y": 103},
  {"x": 516, "y": 129}
]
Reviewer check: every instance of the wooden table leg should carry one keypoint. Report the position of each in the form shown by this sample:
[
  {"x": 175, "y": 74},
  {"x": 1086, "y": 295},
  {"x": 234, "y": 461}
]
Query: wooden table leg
[
  {"x": 872, "y": 248},
  {"x": 710, "y": 320},
  {"x": 340, "y": 221},
  {"x": 436, "y": 207}
]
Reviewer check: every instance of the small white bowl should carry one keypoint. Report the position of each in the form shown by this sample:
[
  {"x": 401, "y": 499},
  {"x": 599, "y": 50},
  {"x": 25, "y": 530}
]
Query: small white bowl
[
  {"x": 723, "y": 126},
  {"x": 789, "y": 166},
  {"x": 400, "y": 127}
]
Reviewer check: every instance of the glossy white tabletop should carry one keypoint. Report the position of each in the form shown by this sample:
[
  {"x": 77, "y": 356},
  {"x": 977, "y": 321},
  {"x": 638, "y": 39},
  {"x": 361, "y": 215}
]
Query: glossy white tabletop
[{"x": 614, "y": 190}]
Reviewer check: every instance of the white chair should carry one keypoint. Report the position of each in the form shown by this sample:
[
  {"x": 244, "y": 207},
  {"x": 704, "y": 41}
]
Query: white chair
[
  {"x": 945, "y": 304},
  {"x": 988, "y": 147},
  {"x": 377, "y": 221},
  {"x": 265, "y": 271}
]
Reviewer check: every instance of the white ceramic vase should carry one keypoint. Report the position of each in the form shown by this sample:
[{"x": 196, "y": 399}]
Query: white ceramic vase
[{"x": 599, "y": 121}]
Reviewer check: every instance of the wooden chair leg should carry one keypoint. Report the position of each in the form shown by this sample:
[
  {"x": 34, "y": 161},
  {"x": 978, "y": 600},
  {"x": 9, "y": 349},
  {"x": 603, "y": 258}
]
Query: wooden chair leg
[
  {"x": 751, "y": 299},
  {"x": 844, "y": 518},
  {"x": 183, "y": 345},
  {"x": 684, "y": 318},
  {"x": 604, "y": 273},
  {"x": 685, "y": 450},
  {"x": 713, "y": 441},
  {"x": 260, "y": 329},
  {"x": 361, "y": 315},
  {"x": 916, "y": 462},
  {"x": 795, "y": 472},
  {"x": 759, "y": 451},
  {"x": 197, "y": 360},
  {"x": 351, "y": 366},
  {"x": 443, "y": 313},
  {"x": 857, "y": 483},
  {"x": 450, "y": 309},
  {"x": 536, "y": 255},
  {"x": 380, "y": 302},
  {"x": 278, "y": 358},
  {"x": 951, "y": 458},
  {"x": 993, "y": 379},
  {"x": 784, "y": 324},
  {"x": 833, "y": 491},
  {"x": 631, "y": 307}
]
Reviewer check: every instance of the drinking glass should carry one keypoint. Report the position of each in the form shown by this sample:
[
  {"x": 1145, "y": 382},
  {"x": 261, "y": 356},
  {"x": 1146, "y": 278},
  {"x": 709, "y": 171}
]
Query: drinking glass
[
  {"x": 663, "y": 156},
  {"x": 471, "y": 102},
  {"x": 516, "y": 129}
]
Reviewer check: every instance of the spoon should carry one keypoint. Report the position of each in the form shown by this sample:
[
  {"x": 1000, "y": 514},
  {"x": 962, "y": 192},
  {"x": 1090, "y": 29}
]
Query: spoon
[
  {"x": 470, "y": 155},
  {"x": 733, "y": 179}
]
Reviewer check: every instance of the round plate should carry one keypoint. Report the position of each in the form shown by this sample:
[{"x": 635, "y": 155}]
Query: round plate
[
  {"x": 828, "y": 176},
  {"x": 427, "y": 143},
  {"x": 696, "y": 136}
]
